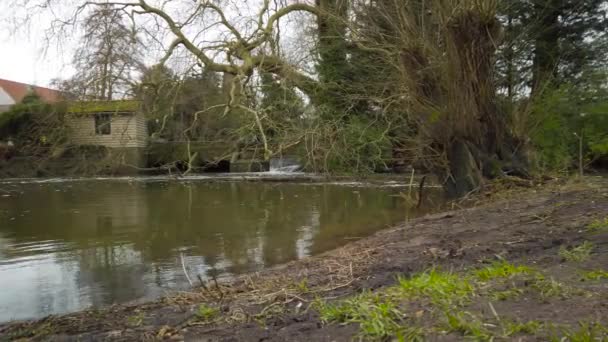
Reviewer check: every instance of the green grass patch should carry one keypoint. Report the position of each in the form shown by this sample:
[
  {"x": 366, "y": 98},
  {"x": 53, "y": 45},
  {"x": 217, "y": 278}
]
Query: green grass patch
[
  {"x": 511, "y": 328},
  {"x": 586, "y": 332},
  {"x": 383, "y": 315},
  {"x": 377, "y": 315},
  {"x": 594, "y": 275},
  {"x": 472, "y": 327},
  {"x": 500, "y": 269},
  {"x": 550, "y": 288},
  {"x": 441, "y": 287},
  {"x": 206, "y": 313},
  {"x": 136, "y": 320},
  {"x": 579, "y": 253},
  {"x": 503, "y": 295},
  {"x": 380, "y": 314},
  {"x": 468, "y": 325},
  {"x": 302, "y": 286},
  {"x": 598, "y": 226}
]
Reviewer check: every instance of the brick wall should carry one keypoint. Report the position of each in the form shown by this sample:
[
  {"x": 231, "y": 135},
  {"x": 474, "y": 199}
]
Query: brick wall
[{"x": 127, "y": 130}]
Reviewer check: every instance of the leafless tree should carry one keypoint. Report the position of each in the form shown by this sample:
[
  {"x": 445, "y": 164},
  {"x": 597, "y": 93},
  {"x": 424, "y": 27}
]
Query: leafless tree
[{"x": 108, "y": 57}]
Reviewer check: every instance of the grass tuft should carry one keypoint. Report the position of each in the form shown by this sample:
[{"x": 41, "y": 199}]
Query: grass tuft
[
  {"x": 550, "y": 288},
  {"x": 441, "y": 287},
  {"x": 377, "y": 316},
  {"x": 511, "y": 328},
  {"x": 500, "y": 269},
  {"x": 206, "y": 313},
  {"x": 468, "y": 325},
  {"x": 587, "y": 332},
  {"x": 594, "y": 275},
  {"x": 511, "y": 293},
  {"x": 577, "y": 254},
  {"x": 136, "y": 320},
  {"x": 598, "y": 226},
  {"x": 302, "y": 286}
]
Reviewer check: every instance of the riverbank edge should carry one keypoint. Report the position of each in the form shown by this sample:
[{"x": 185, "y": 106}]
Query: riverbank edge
[
  {"x": 295, "y": 177},
  {"x": 247, "y": 299}
]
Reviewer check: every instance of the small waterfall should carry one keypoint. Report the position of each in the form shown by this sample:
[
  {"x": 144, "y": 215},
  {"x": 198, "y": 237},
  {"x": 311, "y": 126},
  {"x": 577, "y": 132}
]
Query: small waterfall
[{"x": 284, "y": 165}]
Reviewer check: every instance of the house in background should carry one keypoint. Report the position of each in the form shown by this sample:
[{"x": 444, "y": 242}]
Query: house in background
[
  {"x": 120, "y": 126},
  {"x": 12, "y": 93},
  {"x": 117, "y": 129}
]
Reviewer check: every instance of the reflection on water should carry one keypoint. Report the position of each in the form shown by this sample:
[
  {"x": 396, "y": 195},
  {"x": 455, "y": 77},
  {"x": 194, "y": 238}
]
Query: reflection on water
[{"x": 68, "y": 246}]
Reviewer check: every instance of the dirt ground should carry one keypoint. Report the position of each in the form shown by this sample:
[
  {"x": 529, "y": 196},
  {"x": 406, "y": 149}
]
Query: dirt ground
[{"x": 559, "y": 232}]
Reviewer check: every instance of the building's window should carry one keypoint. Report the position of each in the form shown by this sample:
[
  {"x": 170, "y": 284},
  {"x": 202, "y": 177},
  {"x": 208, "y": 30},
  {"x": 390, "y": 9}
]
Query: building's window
[{"x": 103, "y": 124}]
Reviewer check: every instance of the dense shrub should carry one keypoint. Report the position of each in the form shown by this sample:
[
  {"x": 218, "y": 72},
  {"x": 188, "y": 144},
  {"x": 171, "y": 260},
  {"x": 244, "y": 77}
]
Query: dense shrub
[
  {"x": 33, "y": 124},
  {"x": 561, "y": 117}
]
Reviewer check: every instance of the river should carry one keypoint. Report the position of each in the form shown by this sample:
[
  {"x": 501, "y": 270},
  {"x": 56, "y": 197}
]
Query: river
[{"x": 68, "y": 245}]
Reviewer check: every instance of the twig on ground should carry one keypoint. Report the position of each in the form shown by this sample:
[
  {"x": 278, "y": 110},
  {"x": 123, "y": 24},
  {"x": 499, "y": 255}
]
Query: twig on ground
[{"x": 184, "y": 268}]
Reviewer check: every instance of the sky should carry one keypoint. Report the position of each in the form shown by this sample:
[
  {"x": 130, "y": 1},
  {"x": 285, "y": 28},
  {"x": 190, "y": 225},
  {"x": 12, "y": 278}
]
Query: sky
[
  {"x": 24, "y": 60},
  {"x": 24, "y": 56}
]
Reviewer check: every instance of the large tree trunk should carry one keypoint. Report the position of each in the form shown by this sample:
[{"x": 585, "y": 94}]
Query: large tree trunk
[
  {"x": 480, "y": 145},
  {"x": 464, "y": 173}
]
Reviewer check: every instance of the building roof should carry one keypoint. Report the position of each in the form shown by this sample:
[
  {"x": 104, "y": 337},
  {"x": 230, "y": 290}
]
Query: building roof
[
  {"x": 92, "y": 107},
  {"x": 18, "y": 91}
]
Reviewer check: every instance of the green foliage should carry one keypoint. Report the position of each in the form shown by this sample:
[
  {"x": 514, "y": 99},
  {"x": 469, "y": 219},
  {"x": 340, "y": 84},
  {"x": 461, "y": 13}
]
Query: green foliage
[
  {"x": 377, "y": 315},
  {"x": 206, "y": 313},
  {"x": 190, "y": 106},
  {"x": 563, "y": 116},
  {"x": 441, "y": 287},
  {"x": 280, "y": 101},
  {"x": 136, "y": 320},
  {"x": 506, "y": 294},
  {"x": 587, "y": 332},
  {"x": 577, "y": 254},
  {"x": 383, "y": 314},
  {"x": 554, "y": 137},
  {"x": 33, "y": 124},
  {"x": 511, "y": 328},
  {"x": 468, "y": 325},
  {"x": 302, "y": 286},
  {"x": 550, "y": 288},
  {"x": 594, "y": 275},
  {"x": 355, "y": 146},
  {"x": 500, "y": 269},
  {"x": 595, "y": 127},
  {"x": 599, "y": 225}
]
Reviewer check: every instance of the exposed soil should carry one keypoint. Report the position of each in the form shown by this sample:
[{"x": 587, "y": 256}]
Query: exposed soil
[{"x": 525, "y": 227}]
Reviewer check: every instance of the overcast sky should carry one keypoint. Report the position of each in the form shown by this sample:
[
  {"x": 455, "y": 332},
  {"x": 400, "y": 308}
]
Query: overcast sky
[
  {"x": 24, "y": 56},
  {"x": 24, "y": 60}
]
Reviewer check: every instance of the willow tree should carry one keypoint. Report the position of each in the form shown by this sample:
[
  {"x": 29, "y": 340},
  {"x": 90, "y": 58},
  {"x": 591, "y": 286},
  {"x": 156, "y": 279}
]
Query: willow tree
[{"x": 442, "y": 57}]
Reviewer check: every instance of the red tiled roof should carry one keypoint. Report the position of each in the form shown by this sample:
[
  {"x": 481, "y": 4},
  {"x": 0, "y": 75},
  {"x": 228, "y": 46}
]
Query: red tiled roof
[{"x": 18, "y": 91}]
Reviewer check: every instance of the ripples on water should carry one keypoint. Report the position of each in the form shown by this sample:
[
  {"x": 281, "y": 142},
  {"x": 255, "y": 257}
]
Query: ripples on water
[{"x": 66, "y": 245}]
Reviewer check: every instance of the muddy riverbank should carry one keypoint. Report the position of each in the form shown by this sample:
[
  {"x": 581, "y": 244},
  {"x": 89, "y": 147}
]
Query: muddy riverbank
[{"x": 530, "y": 266}]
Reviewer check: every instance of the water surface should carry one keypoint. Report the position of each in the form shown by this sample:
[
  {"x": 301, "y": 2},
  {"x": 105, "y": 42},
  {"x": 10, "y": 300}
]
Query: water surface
[{"x": 70, "y": 245}]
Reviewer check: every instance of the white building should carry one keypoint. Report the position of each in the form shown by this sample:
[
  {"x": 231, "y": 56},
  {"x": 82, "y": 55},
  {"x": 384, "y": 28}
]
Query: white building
[{"x": 12, "y": 93}]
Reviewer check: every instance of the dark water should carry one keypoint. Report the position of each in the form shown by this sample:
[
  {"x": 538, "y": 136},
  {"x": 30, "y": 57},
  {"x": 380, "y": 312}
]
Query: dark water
[{"x": 67, "y": 246}]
